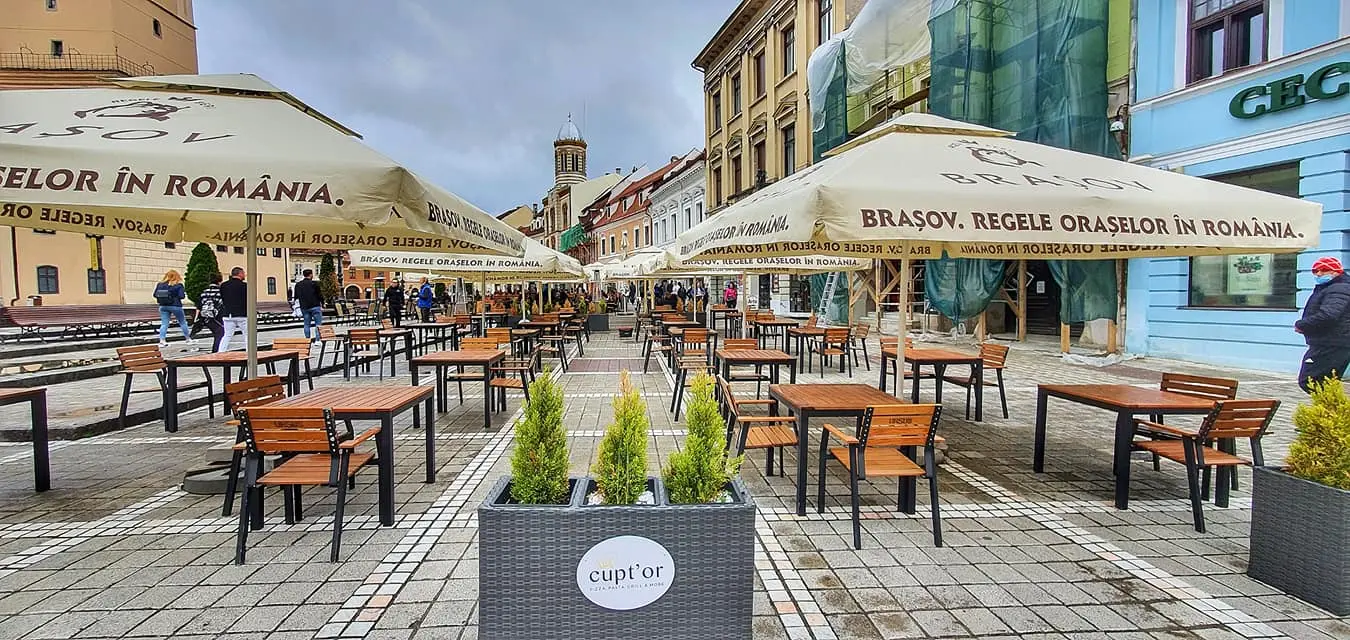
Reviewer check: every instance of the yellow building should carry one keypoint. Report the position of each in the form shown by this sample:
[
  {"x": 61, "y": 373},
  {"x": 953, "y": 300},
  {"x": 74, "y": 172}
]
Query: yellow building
[{"x": 76, "y": 43}]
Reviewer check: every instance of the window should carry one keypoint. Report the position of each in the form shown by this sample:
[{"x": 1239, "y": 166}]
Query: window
[
  {"x": 717, "y": 187},
  {"x": 716, "y": 110},
  {"x": 736, "y": 174},
  {"x": 688, "y": 218},
  {"x": 276, "y": 252},
  {"x": 1252, "y": 280},
  {"x": 613, "y": 248},
  {"x": 761, "y": 170},
  {"x": 648, "y": 234},
  {"x": 271, "y": 285},
  {"x": 698, "y": 209},
  {"x": 98, "y": 281},
  {"x": 365, "y": 274},
  {"x": 789, "y": 149},
  {"x": 760, "y": 81},
  {"x": 47, "y": 232},
  {"x": 823, "y": 25},
  {"x": 735, "y": 95},
  {"x": 220, "y": 248},
  {"x": 1226, "y": 35},
  {"x": 262, "y": 252},
  {"x": 154, "y": 26},
  {"x": 58, "y": 48},
  {"x": 51, "y": 5},
  {"x": 48, "y": 279},
  {"x": 788, "y": 41},
  {"x": 624, "y": 246},
  {"x": 239, "y": 250},
  {"x": 170, "y": 245}
]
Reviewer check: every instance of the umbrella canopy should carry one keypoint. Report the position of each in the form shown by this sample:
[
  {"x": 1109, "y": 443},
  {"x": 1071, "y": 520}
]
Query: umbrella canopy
[
  {"x": 538, "y": 263},
  {"x": 925, "y": 185},
  {"x": 629, "y": 268},
  {"x": 178, "y": 165}
]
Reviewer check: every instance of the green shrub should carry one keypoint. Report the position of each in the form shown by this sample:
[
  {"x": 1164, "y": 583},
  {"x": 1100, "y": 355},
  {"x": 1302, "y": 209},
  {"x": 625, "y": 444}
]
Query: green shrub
[
  {"x": 621, "y": 470},
  {"x": 539, "y": 463},
  {"x": 201, "y": 264},
  {"x": 700, "y": 471},
  {"x": 1321, "y": 450},
  {"x": 328, "y": 280}
]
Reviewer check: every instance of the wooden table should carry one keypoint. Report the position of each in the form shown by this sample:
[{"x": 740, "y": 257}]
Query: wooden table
[
  {"x": 939, "y": 359},
  {"x": 392, "y": 335},
  {"x": 808, "y": 401},
  {"x": 1126, "y": 402},
  {"x": 36, "y": 398},
  {"x": 772, "y": 358},
  {"x": 443, "y": 360},
  {"x": 375, "y": 402},
  {"x": 777, "y": 327},
  {"x": 225, "y": 360},
  {"x": 802, "y": 334},
  {"x": 425, "y": 328}
]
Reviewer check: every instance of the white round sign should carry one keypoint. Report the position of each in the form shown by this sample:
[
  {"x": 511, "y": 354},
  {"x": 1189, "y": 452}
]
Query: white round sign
[{"x": 625, "y": 572}]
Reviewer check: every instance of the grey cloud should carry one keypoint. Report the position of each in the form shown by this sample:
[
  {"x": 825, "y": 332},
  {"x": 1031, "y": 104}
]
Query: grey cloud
[{"x": 471, "y": 94}]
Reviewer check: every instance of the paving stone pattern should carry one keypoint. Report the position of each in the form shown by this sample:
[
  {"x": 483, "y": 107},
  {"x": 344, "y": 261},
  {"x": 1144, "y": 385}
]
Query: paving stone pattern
[{"x": 116, "y": 549}]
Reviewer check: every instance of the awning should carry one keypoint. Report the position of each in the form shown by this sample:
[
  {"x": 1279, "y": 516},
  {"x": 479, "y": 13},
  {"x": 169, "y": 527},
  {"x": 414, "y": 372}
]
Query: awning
[{"x": 572, "y": 237}]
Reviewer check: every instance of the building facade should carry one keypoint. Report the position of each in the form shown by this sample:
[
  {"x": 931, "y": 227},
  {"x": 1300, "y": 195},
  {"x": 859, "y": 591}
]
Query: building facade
[
  {"x": 678, "y": 203},
  {"x": 76, "y": 43},
  {"x": 1256, "y": 93}
]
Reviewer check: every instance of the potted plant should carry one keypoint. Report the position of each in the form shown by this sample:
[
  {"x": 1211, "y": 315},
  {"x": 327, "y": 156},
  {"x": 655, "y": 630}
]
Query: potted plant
[
  {"x": 597, "y": 318},
  {"x": 1300, "y": 541},
  {"x": 619, "y": 557}
]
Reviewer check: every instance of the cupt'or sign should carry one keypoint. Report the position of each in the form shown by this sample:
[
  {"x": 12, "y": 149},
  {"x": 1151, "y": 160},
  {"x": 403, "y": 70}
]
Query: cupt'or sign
[{"x": 625, "y": 572}]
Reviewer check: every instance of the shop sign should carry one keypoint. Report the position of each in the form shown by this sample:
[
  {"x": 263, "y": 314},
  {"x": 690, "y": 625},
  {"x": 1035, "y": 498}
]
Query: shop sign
[
  {"x": 625, "y": 572},
  {"x": 1292, "y": 91}
]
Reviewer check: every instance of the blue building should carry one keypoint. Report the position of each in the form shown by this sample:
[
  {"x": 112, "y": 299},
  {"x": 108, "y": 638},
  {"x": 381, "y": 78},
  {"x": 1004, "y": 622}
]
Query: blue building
[{"x": 1256, "y": 93}]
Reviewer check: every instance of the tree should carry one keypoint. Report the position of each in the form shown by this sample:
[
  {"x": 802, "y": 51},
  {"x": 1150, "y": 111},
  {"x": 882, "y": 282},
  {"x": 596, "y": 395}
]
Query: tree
[
  {"x": 699, "y": 472},
  {"x": 539, "y": 464},
  {"x": 200, "y": 266},
  {"x": 328, "y": 284},
  {"x": 621, "y": 466}
]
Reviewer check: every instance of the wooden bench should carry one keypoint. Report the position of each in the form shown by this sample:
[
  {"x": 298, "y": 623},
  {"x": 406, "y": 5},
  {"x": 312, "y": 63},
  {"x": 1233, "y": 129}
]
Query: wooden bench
[{"x": 81, "y": 320}]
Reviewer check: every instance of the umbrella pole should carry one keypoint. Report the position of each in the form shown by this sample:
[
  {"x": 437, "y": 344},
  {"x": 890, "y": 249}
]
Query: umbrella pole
[
  {"x": 482, "y": 322},
  {"x": 251, "y": 262}
]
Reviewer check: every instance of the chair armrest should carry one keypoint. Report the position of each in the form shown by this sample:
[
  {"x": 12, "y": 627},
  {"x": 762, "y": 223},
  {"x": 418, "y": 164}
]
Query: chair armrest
[
  {"x": 1154, "y": 428},
  {"x": 786, "y": 420},
  {"x": 365, "y": 435},
  {"x": 768, "y": 402},
  {"x": 839, "y": 433}
]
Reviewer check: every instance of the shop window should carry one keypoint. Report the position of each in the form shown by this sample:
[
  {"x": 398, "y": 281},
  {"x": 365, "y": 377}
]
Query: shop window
[
  {"x": 1226, "y": 35},
  {"x": 1250, "y": 281},
  {"x": 98, "y": 281},
  {"x": 800, "y": 286},
  {"x": 271, "y": 285},
  {"x": 48, "y": 280}
]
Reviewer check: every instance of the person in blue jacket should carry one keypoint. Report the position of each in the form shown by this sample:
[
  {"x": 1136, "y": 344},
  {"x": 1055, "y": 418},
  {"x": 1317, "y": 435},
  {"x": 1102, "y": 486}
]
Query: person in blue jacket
[
  {"x": 426, "y": 298},
  {"x": 169, "y": 294}
]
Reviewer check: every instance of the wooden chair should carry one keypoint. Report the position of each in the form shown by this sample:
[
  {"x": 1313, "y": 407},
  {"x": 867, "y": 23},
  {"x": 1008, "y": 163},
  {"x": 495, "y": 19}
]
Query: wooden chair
[
  {"x": 1215, "y": 389},
  {"x": 857, "y": 341},
  {"x": 386, "y": 323},
  {"x": 313, "y": 456},
  {"x": 147, "y": 359},
  {"x": 758, "y": 377},
  {"x": 766, "y": 432},
  {"x": 884, "y": 446},
  {"x": 656, "y": 342},
  {"x": 1229, "y": 420},
  {"x": 364, "y": 340},
  {"x": 253, "y": 392},
  {"x": 695, "y": 356},
  {"x": 994, "y": 357},
  {"x": 575, "y": 329},
  {"x": 326, "y": 336},
  {"x": 834, "y": 343},
  {"x": 301, "y": 347}
]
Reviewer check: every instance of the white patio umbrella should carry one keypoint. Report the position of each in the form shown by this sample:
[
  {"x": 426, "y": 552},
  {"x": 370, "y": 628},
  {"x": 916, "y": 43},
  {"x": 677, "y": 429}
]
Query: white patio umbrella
[
  {"x": 922, "y": 185},
  {"x": 233, "y": 166}
]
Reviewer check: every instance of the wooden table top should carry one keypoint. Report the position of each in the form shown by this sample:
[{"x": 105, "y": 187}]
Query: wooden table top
[
  {"x": 809, "y": 330},
  {"x": 229, "y": 358},
  {"x": 524, "y": 332},
  {"x": 680, "y": 323},
  {"x": 1124, "y": 397},
  {"x": 776, "y": 322},
  {"x": 478, "y": 357},
  {"x": 679, "y": 331},
  {"x": 428, "y": 325},
  {"x": 831, "y": 397},
  {"x": 359, "y": 399},
  {"x": 937, "y": 355},
  {"x": 394, "y": 332},
  {"x": 10, "y": 396},
  {"x": 755, "y": 356},
  {"x": 540, "y": 324}
]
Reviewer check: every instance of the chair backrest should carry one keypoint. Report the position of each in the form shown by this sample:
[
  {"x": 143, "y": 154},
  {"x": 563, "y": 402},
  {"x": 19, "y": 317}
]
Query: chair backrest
[
  {"x": 861, "y": 330},
  {"x": 444, "y": 319},
  {"x": 326, "y": 332},
  {"x": 363, "y": 337},
  {"x": 144, "y": 358},
  {"x": 1200, "y": 386},
  {"x": 672, "y": 317},
  {"x": 732, "y": 344},
  {"x": 994, "y": 355},
  {"x": 471, "y": 344},
  {"x": 386, "y": 323},
  {"x": 461, "y": 319},
  {"x": 811, "y": 322},
  {"x": 889, "y": 342},
  {"x": 695, "y": 339},
  {"x": 272, "y": 430},
  {"x": 663, "y": 307},
  {"x": 501, "y": 334},
  {"x": 1238, "y": 419},
  {"x": 899, "y": 425},
  {"x": 254, "y": 392},
  {"x": 728, "y": 397},
  {"x": 298, "y": 345},
  {"x": 836, "y": 336}
]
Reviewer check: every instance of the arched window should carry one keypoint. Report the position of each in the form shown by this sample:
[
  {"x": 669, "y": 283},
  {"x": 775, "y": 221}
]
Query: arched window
[
  {"x": 271, "y": 286},
  {"x": 48, "y": 280}
]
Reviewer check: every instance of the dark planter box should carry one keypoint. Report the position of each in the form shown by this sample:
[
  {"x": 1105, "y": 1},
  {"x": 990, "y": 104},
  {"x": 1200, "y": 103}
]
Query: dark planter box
[
  {"x": 597, "y": 322},
  {"x": 1300, "y": 539},
  {"x": 533, "y": 564}
]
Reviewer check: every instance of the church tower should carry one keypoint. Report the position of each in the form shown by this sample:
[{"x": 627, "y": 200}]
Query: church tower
[{"x": 569, "y": 156}]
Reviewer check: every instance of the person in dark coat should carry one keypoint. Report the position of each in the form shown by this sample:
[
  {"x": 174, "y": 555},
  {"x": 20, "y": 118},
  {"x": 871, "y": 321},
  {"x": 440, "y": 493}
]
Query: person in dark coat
[
  {"x": 311, "y": 303},
  {"x": 1326, "y": 324},
  {"x": 393, "y": 300}
]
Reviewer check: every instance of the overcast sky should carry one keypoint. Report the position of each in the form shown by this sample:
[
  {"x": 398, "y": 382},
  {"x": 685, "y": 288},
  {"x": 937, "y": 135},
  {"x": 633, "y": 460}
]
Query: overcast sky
[{"x": 471, "y": 94}]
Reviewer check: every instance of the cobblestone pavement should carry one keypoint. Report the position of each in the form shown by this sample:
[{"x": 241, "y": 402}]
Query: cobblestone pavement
[{"x": 117, "y": 549}]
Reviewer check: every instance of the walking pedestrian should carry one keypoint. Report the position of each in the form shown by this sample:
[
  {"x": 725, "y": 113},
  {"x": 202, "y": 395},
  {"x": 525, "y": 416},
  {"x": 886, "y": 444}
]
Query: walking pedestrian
[
  {"x": 426, "y": 297},
  {"x": 169, "y": 293},
  {"x": 729, "y": 295},
  {"x": 393, "y": 299},
  {"x": 311, "y": 303},
  {"x": 1326, "y": 324},
  {"x": 208, "y": 310},
  {"x": 234, "y": 304}
]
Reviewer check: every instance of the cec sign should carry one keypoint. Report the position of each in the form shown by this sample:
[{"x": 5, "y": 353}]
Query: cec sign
[
  {"x": 1327, "y": 83},
  {"x": 625, "y": 572}
]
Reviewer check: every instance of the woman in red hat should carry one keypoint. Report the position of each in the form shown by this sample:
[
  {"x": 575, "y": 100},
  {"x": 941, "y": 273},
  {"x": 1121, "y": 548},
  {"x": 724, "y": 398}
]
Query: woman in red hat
[{"x": 1326, "y": 324}]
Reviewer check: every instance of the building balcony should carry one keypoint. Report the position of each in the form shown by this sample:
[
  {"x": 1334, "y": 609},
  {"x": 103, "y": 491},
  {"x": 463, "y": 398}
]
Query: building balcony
[{"x": 30, "y": 61}]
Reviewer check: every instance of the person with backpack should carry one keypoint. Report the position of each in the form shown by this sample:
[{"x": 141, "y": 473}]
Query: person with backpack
[
  {"x": 426, "y": 298},
  {"x": 208, "y": 310},
  {"x": 169, "y": 294}
]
